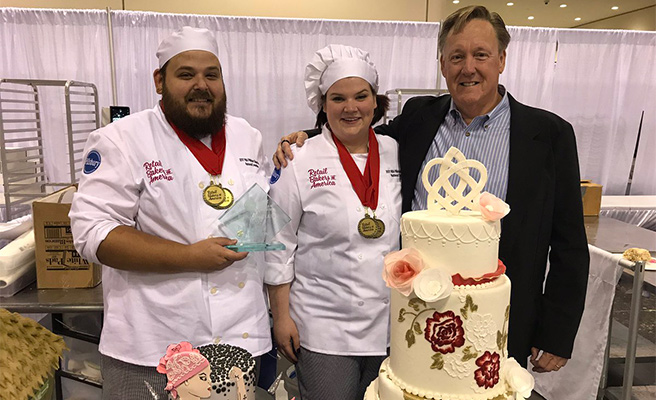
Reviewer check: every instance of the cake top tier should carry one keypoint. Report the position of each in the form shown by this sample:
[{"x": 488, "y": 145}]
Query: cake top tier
[{"x": 454, "y": 198}]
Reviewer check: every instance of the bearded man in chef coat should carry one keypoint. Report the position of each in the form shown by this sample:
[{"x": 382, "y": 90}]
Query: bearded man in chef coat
[{"x": 153, "y": 187}]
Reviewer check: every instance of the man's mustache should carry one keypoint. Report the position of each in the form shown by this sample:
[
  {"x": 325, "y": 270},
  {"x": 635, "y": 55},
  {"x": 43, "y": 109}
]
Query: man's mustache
[{"x": 204, "y": 95}]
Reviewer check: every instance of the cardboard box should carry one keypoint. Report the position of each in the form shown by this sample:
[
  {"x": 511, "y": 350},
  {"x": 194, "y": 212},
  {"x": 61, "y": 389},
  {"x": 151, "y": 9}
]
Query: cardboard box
[
  {"x": 591, "y": 194},
  {"x": 58, "y": 264}
]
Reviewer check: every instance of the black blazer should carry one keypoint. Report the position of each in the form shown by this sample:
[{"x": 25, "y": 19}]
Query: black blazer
[{"x": 546, "y": 218}]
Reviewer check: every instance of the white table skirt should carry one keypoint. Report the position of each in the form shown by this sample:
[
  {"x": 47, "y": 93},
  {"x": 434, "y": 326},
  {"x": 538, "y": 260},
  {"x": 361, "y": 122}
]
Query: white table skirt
[{"x": 579, "y": 379}]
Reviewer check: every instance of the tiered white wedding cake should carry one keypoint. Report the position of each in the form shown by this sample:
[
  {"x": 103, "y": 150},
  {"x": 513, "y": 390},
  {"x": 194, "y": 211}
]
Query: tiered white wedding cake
[{"x": 450, "y": 300}]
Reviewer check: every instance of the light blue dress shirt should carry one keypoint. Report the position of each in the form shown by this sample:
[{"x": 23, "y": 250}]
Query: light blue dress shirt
[{"x": 486, "y": 139}]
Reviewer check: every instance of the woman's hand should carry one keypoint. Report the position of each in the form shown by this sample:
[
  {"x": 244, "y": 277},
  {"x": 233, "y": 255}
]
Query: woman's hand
[
  {"x": 285, "y": 334},
  {"x": 284, "y": 150}
]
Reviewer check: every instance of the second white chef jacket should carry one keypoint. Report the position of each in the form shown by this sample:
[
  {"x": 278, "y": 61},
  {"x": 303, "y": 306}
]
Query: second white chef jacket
[{"x": 338, "y": 298}]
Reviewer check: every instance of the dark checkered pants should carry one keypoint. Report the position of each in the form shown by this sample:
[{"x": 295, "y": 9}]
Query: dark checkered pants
[
  {"x": 123, "y": 380},
  {"x": 329, "y": 377}
]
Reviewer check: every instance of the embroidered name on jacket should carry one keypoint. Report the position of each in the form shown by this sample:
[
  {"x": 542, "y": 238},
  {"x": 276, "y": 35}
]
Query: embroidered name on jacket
[
  {"x": 156, "y": 172},
  {"x": 320, "y": 178},
  {"x": 394, "y": 173},
  {"x": 249, "y": 162}
]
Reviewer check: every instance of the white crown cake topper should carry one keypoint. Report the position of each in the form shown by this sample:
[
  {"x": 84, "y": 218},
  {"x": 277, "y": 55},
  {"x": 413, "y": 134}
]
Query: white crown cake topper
[{"x": 454, "y": 199}]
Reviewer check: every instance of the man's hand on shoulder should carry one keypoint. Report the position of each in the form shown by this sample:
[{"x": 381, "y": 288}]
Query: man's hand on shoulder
[{"x": 284, "y": 150}]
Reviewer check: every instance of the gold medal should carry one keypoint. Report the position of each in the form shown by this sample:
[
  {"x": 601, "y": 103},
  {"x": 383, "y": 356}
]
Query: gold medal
[
  {"x": 229, "y": 199},
  {"x": 367, "y": 227},
  {"x": 380, "y": 227},
  {"x": 371, "y": 227},
  {"x": 214, "y": 195}
]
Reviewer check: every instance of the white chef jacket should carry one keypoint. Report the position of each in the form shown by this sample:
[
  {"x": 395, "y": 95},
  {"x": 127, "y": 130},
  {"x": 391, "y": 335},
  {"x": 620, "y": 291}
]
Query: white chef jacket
[
  {"x": 338, "y": 298},
  {"x": 146, "y": 178}
]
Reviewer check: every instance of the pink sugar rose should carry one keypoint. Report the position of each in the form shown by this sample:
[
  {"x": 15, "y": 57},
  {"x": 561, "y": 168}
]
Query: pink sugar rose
[
  {"x": 492, "y": 208},
  {"x": 401, "y": 268}
]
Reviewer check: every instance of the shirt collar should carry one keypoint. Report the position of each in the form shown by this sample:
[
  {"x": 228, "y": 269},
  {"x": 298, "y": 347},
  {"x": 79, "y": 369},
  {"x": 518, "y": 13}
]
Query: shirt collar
[{"x": 496, "y": 111}]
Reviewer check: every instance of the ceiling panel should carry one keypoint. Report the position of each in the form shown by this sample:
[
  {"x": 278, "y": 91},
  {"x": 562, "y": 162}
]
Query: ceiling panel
[{"x": 550, "y": 14}]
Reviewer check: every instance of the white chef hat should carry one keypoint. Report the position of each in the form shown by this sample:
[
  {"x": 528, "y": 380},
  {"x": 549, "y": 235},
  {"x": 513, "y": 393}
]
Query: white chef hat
[
  {"x": 186, "y": 39},
  {"x": 333, "y": 63}
]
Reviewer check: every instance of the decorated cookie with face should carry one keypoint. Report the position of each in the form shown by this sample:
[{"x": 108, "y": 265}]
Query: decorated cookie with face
[
  {"x": 187, "y": 372},
  {"x": 233, "y": 372}
]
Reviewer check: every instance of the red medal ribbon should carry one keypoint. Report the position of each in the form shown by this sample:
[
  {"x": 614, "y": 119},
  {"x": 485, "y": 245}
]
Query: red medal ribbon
[
  {"x": 211, "y": 160},
  {"x": 365, "y": 185}
]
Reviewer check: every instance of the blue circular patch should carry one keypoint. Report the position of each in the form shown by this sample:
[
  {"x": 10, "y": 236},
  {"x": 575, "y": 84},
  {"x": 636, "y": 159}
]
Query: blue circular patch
[
  {"x": 92, "y": 162},
  {"x": 275, "y": 175}
]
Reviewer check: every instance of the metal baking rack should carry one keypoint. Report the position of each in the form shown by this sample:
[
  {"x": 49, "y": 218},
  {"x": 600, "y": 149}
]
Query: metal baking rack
[{"x": 21, "y": 142}]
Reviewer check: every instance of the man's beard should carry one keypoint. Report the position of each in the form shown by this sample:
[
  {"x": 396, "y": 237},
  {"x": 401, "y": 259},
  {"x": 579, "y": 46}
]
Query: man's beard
[{"x": 198, "y": 128}]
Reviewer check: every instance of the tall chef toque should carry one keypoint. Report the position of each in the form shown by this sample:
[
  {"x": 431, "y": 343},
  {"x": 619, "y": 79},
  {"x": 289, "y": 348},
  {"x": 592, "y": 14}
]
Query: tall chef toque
[
  {"x": 186, "y": 39},
  {"x": 332, "y": 63}
]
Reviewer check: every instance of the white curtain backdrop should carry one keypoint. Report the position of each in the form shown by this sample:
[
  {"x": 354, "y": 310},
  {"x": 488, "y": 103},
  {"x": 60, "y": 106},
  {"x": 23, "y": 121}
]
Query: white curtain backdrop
[
  {"x": 264, "y": 59},
  {"x": 530, "y": 55},
  {"x": 601, "y": 82},
  {"x": 604, "y": 80},
  {"x": 55, "y": 45}
]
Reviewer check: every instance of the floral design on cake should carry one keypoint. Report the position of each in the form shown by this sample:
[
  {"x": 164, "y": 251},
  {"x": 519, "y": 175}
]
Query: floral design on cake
[
  {"x": 487, "y": 375},
  {"x": 478, "y": 331},
  {"x": 469, "y": 307},
  {"x": 415, "y": 304},
  {"x": 456, "y": 368},
  {"x": 444, "y": 331},
  {"x": 502, "y": 335},
  {"x": 457, "y": 352}
]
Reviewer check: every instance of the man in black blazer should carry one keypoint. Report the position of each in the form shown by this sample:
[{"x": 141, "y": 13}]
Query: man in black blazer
[
  {"x": 546, "y": 219},
  {"x": 542, "y": 189}
]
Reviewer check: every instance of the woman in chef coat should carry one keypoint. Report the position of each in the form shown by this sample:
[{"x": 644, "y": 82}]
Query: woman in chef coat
[{"x": 343, "y": 194}]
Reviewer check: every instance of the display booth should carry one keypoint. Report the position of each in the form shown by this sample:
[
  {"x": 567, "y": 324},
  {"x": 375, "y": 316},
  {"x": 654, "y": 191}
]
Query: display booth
[{"x": 598, "y": 80}]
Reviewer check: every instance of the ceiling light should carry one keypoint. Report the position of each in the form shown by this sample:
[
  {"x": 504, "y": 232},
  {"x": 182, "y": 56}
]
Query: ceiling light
[
  {"x": 563, "y": 5},
  {"x": 531, "y": 17},
  {"x": 614, "y": 8},
  {"x": 456, "y": 1},
  {"x": 510, "y": 4},
  {"x": 577, "y": 19}
]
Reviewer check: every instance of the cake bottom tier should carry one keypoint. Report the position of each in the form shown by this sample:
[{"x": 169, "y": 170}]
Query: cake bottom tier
[{"x": 383, "y": 388}]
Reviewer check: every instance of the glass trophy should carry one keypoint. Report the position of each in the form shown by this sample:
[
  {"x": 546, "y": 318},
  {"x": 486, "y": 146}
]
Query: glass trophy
[{"x": 254, "y": 220}]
